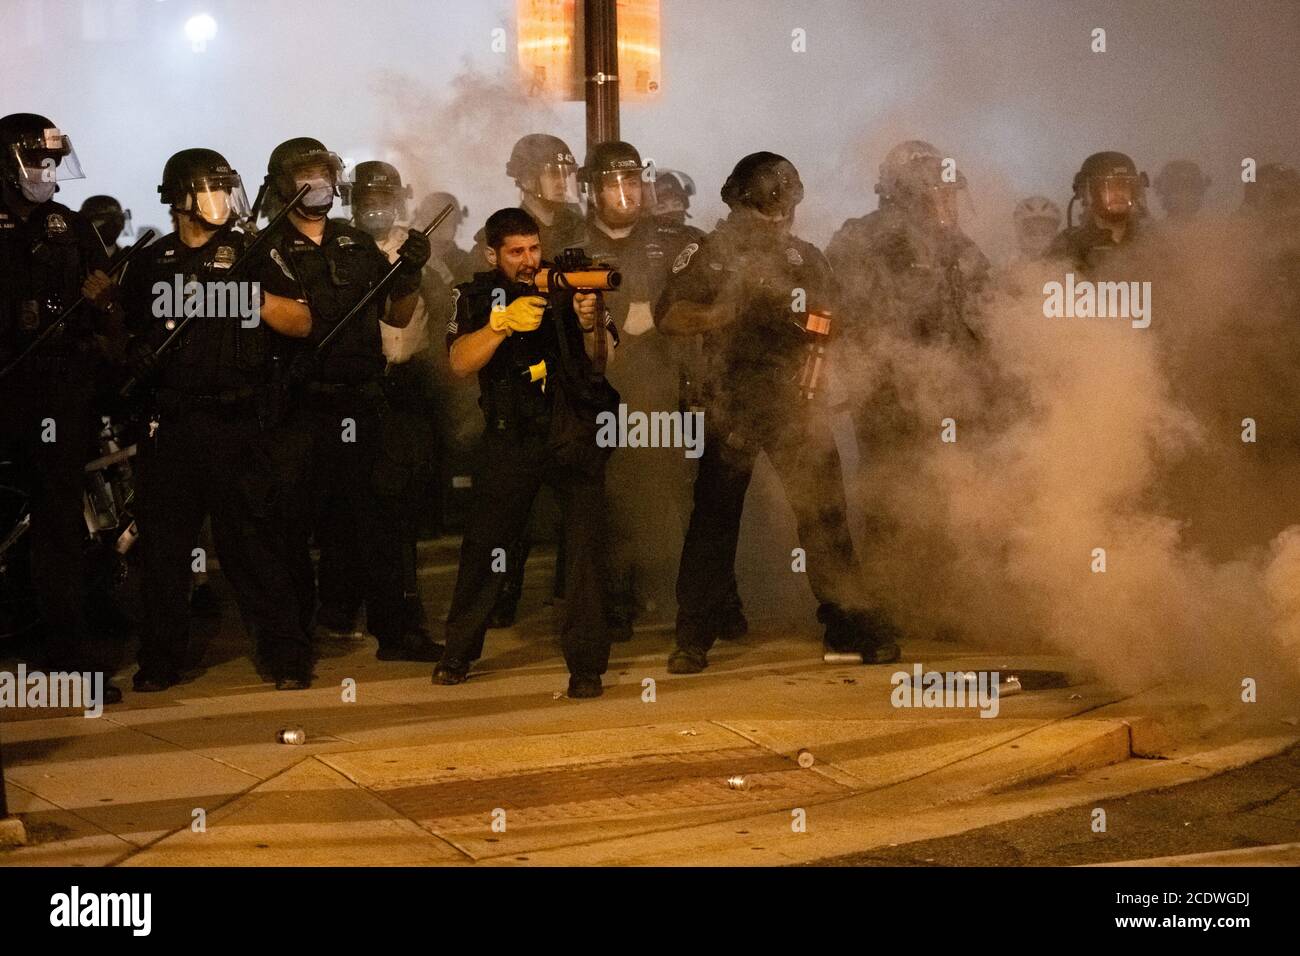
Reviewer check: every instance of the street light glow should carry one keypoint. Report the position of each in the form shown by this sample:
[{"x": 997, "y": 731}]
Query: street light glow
[{"x": 200, "y": 28}]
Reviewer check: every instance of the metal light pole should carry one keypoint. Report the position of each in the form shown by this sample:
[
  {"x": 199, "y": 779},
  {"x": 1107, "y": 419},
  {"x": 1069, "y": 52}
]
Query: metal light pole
[{"x": 600, "y": 47}]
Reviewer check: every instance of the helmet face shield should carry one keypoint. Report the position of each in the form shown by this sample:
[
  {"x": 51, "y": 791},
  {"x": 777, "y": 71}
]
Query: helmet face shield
[
  {"x": 775, "y": 191},
  {"x": 946, "y": 202},
  {"x": 557, "y": 183},
  {"x": 1114, "y": 196},
  {"x": 621, "y": 194},
  {"x": 217, "y": 200},
  {"x": 47, "y": 158}
]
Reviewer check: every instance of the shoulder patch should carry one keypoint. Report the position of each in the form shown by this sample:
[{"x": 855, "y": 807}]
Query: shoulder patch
[
  {"x": 684, "y": 257},
  {"x": 452, "y": 324}
]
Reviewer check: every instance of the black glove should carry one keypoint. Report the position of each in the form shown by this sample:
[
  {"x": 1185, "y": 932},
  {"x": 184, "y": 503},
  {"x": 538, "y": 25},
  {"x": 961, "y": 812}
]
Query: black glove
[
  {"x": 415, "y": 251},
  {"x": 413, "y": 254}
]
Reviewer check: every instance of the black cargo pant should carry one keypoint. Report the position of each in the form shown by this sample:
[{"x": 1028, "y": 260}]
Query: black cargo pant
[
  {"x": 513, "y": 467},
  {"x": 360, "y": 533},
  {"x": 193, "y": 468},
  {"x": 406, "y": 470},
  {"x": 52, "y": 397},
  {"x": 808, "y": 464}
]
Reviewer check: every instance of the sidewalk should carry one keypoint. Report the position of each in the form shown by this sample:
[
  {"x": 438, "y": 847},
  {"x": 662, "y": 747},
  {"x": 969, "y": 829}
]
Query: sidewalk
[{"x": 413, "y": 774}]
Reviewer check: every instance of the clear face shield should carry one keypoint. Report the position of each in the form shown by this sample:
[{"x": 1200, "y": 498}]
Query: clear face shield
[
  {"x": 558, "y": 183},
  {"x": 217, "y": 200},
  {"x": 1114, "y": 197},
  {"x": 43, "y": 162},
  {"x": 620, "y": 195}
]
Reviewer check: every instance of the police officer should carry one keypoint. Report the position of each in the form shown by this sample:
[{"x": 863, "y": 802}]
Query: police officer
[
  {"x": 531, "y": 357},
  {"x": 907, "y": 265},
  {"x": 339, "y": 401},
  {"x": 213, "y": 398},
  {"x": 648, "y": 487},
  {"x": 1037, "y": 220},
  {"x": 741, "y": 286},
  {"x": 49, "y": 257},
  {"x": 546, "y": 175},
  {"x": 405, "y": 467},
  {"x": 1110, "y": 191},
  {"x": 673, "y": 192},
  {"x": 109, "y": 219},
  {"x": 910, "y": 278},
  {"x": 1180, "y": 185},
  {"x": 453, "y": 264}
]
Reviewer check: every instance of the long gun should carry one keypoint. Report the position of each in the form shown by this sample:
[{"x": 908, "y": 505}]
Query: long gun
[
  {"x": 379, "y": 286},
  {"x": 244, "y": 259},
  {"x": 118, "y": 262}
]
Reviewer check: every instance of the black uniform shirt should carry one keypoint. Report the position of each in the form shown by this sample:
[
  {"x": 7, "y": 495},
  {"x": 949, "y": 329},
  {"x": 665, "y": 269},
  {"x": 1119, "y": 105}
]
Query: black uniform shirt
[
  {"x": 754, "y": 362},
  {"x": 505, "y": 394},
  {"x": 220, "y": 348},
  {"x": 331, "y": 278},
  {"x": 43, "y": 262},
  {"x": 1088, "y": 247},
  {"x": 643, "y": 257}
]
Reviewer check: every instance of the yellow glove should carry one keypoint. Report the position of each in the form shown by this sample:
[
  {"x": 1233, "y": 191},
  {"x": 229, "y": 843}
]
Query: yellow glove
[{"x": 522, "y": 315}]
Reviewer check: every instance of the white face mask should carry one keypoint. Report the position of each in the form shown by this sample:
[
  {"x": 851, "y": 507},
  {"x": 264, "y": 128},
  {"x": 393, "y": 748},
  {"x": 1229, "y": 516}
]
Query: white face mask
[
  {"x": 37, "y": 192},
  {"x": 213, "y": 206},
  {"x": 320, "y": 196},
  {"x": 37, "y": 185}
]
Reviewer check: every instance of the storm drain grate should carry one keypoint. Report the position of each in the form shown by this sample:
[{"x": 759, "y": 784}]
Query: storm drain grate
[{"x": 643, "y": 785}]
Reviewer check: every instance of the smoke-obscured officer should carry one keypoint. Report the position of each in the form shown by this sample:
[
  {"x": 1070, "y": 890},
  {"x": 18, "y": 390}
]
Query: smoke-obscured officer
[
  {"x": 1111, "y": 193},
  {"x": 759, "y": 295},
  {"x": 649, "y": 488},
  {"x": 49, "y": 257},
  {"x": 213, "y": 399},
  {"x": 531, "y": 360}
]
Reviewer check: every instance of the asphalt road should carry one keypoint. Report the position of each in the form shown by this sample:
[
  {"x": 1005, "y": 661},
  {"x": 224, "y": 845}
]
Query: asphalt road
[{"x": 1256, "y": 805}]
